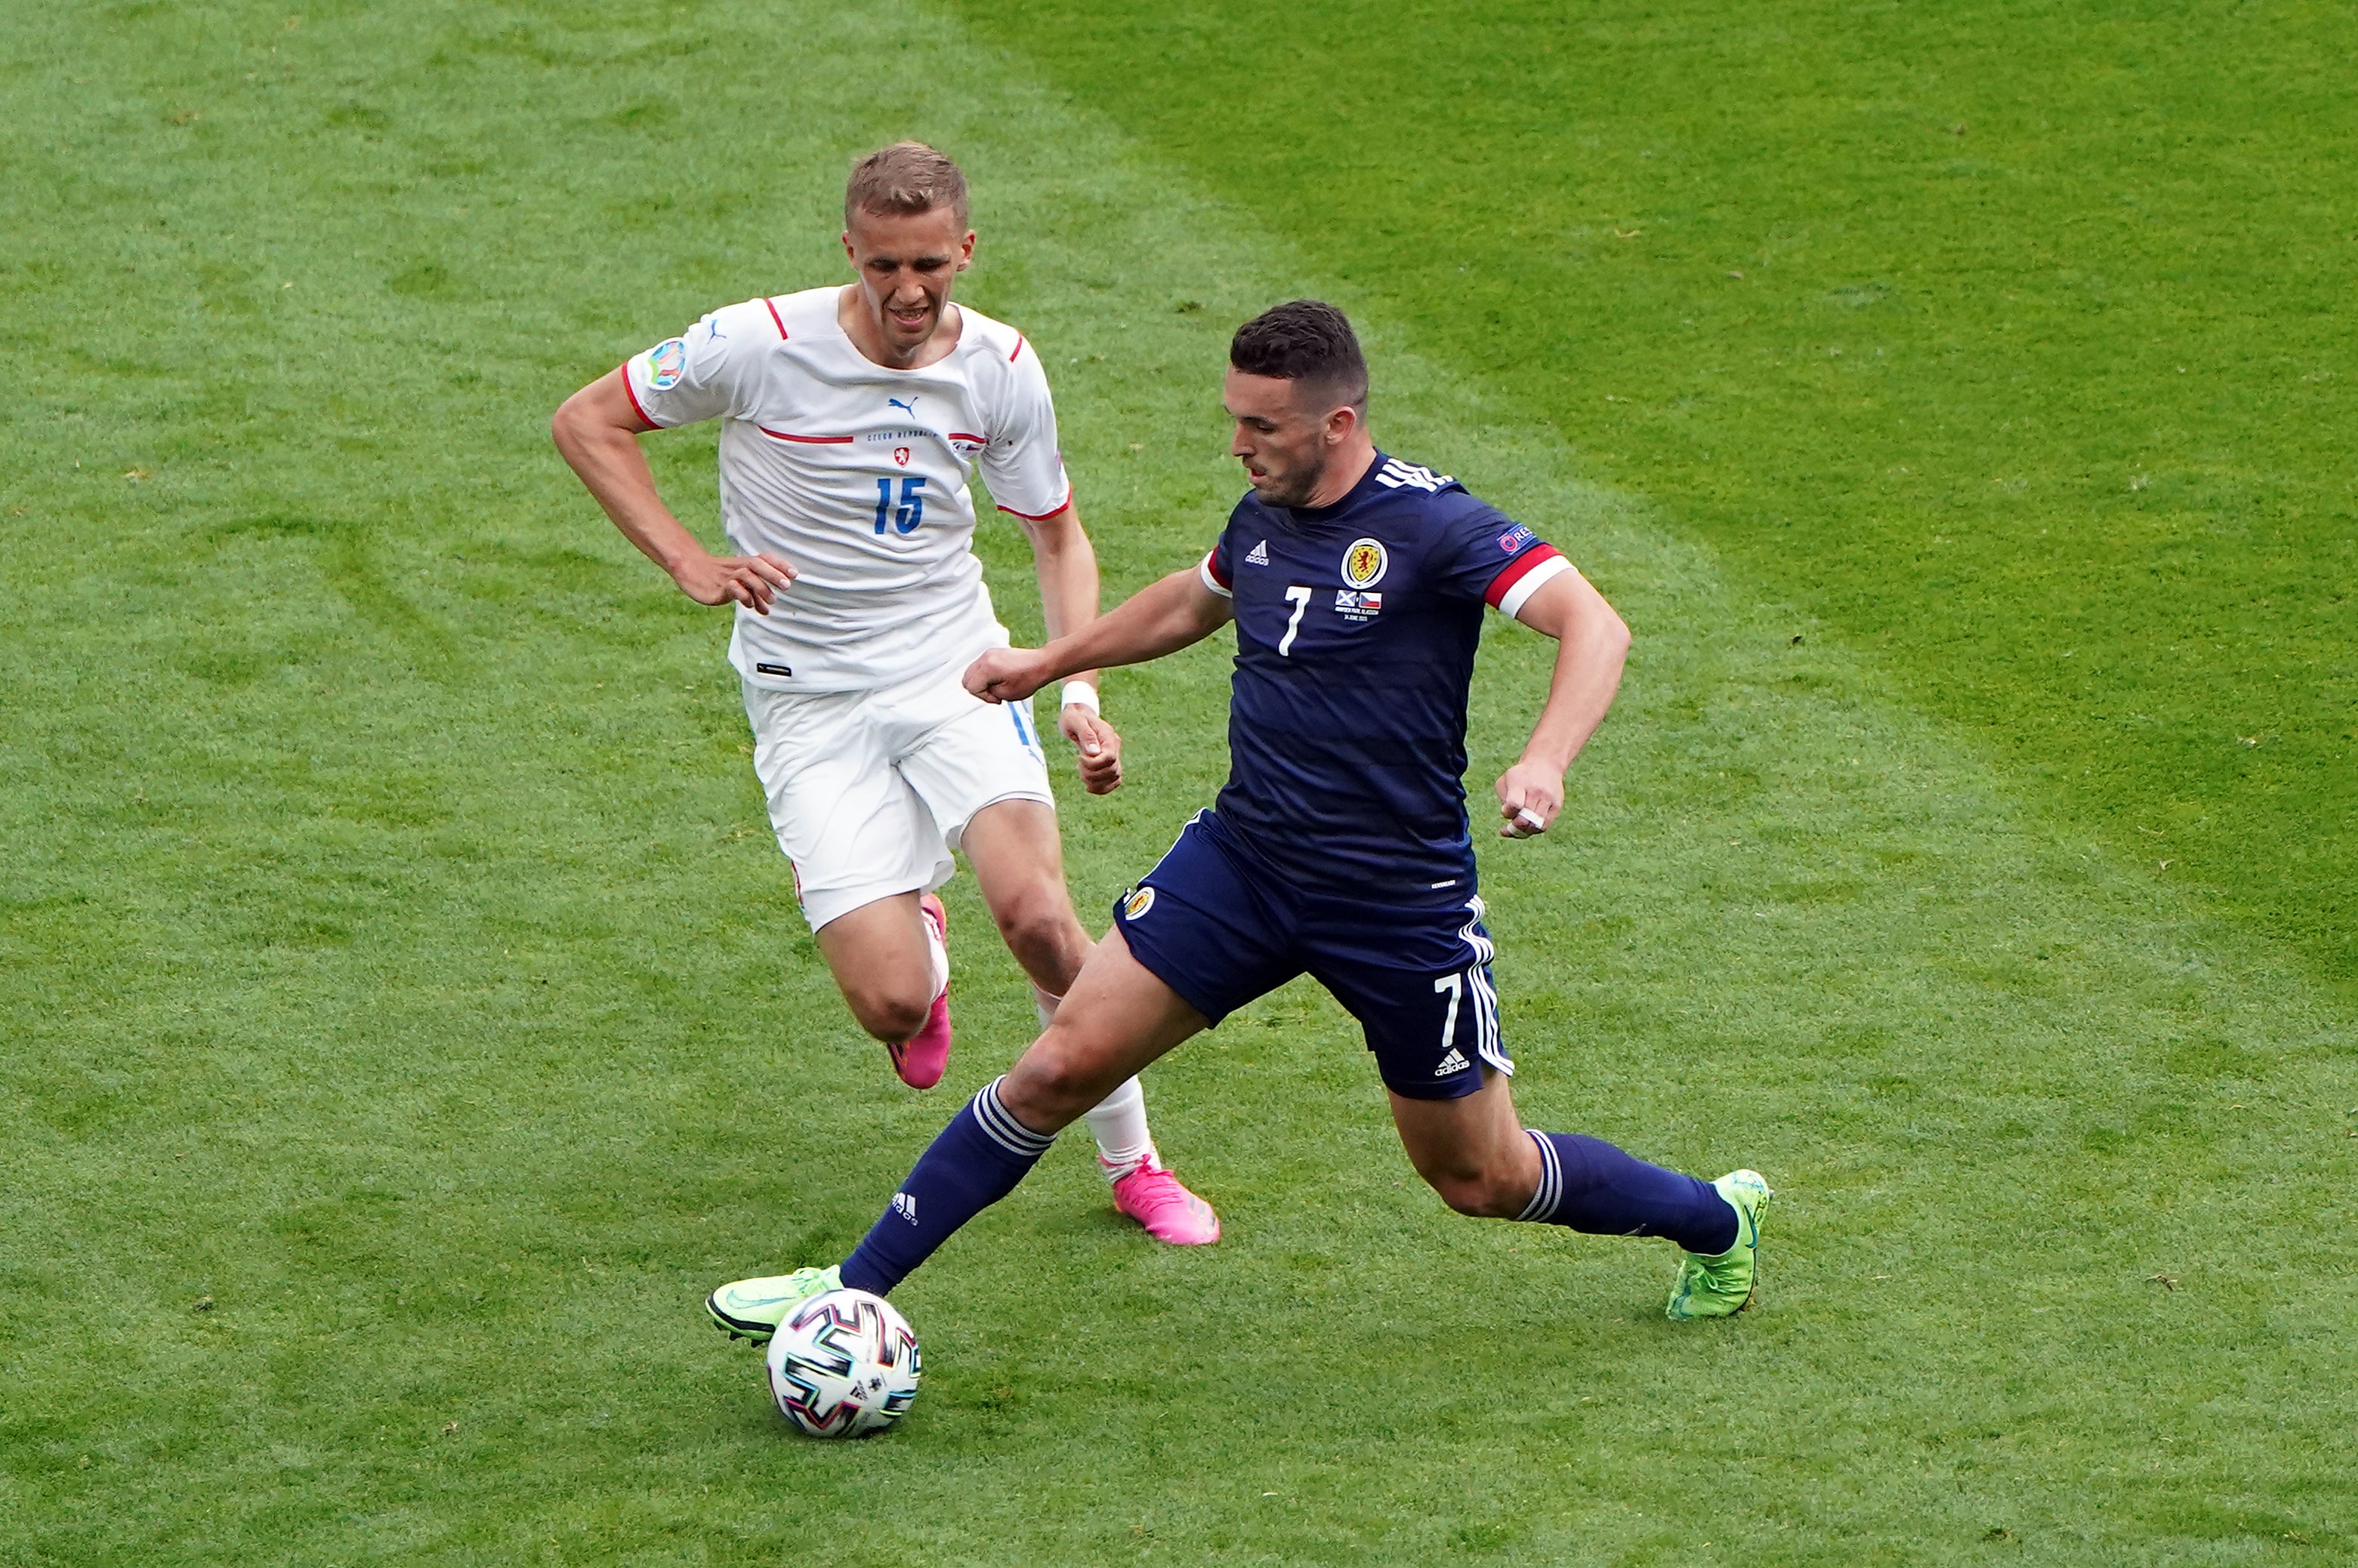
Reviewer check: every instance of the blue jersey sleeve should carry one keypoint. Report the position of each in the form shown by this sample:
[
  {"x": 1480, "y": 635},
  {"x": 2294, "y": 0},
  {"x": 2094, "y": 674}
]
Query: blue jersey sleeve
[
  {"x": 1487, "y": 555},
  {"x": 1217, "y": 570}
]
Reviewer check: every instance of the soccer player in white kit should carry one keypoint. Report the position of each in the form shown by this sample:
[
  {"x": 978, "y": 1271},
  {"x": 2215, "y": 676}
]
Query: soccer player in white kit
[{"x": 851, "y": 420}]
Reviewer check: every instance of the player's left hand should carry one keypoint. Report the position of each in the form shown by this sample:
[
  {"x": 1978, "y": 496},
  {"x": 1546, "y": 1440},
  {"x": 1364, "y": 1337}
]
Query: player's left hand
[
  {"x": 1530, "y": 796},
  {"x": 1100, "y": 748}
]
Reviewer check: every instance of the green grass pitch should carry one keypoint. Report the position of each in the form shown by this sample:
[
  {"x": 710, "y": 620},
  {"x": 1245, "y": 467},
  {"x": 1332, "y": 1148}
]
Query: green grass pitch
[{"x": 404, "y": 1014}]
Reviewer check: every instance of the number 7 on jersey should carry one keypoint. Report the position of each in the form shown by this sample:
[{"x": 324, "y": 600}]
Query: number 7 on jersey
[{"x": 1299, "y": 597}]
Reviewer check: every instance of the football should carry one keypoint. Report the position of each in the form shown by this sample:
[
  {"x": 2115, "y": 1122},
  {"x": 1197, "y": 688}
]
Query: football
[{"x": 844, "y": 1364}]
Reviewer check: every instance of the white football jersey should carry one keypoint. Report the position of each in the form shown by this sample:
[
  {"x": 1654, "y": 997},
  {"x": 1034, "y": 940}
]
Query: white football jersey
[{"x": 856, "y": 474}]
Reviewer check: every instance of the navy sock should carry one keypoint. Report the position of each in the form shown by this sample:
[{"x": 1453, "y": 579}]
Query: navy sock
[
  {"x": 975, "y": 1162},
  {"x": 1590, "y": 1186}
]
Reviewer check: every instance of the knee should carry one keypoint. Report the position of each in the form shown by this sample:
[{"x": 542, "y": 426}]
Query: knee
[
  {"x": 1479, "y": 1193},
  {"x": 1039, "y": 929},
  {"x": 1051, "y": 1083},
  {"x": 891, "y": 1014}
]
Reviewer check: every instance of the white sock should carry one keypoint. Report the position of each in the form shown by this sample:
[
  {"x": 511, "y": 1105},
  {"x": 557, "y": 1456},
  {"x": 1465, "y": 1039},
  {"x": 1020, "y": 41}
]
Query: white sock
[
  {"x": 1118, "y": 1124},
  {"x": 937, "y": 956},
  {"x": 1044, "y": 1005}
]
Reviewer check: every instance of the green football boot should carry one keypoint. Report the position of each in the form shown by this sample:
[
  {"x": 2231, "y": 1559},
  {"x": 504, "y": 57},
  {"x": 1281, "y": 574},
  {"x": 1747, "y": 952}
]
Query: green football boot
[
  {"x": 1722, "y": 1285},
  {"x": 754, "y": 1308}
]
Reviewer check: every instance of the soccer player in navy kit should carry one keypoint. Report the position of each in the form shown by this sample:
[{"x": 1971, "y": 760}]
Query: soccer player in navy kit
[{"x": 1340, "y": 845}]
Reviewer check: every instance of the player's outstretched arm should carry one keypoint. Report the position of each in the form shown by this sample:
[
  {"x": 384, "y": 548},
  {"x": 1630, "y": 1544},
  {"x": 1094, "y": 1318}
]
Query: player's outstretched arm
[
  {"x": 1593, "y": 641},
  {"x": 1067, "y": 565},
  {"x": 1162, "y": 618},
  {"x": 598, "y": 431}
]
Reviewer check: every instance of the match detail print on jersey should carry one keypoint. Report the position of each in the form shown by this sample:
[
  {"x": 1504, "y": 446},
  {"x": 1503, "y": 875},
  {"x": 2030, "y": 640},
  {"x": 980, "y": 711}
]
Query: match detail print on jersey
[{"x": 860, "y": 475}]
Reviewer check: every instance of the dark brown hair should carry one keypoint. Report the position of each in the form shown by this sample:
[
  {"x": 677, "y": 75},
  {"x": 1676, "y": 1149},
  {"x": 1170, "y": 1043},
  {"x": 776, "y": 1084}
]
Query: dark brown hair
[{"x": 1305, "y": 340}]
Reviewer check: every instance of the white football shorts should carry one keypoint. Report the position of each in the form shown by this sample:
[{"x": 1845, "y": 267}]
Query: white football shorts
[{"x": 869, "y": 791}]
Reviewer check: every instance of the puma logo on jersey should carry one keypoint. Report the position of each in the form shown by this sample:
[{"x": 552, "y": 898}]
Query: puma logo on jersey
[
  {"x": 1396, "y": 473},
  {"x": 910, "y": 407},
  {"x": 1258, "y": 554}
]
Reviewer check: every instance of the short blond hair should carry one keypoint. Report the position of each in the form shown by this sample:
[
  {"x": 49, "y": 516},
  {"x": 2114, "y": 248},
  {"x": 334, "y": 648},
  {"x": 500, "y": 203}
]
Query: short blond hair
[{"x": 903, "y": 179}]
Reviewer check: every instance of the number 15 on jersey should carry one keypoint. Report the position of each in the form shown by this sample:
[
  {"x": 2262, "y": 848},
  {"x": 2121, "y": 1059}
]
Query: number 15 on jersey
[{"x": 910, "y": 511}]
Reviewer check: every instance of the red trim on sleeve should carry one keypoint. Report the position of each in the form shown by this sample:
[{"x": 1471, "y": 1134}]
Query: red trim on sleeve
[
  {"x": 807, "y": 440},
  {"x": 967, "y": 435},
  {"x": 635, "y": 399},
  {"x": 1044, "y": 516},
  {"x": 775, "y": 317},
  {"x": 1212, "y": 567},
  {"x": 1018, "y": 348},
  {"x": 1514, "y": 572}
]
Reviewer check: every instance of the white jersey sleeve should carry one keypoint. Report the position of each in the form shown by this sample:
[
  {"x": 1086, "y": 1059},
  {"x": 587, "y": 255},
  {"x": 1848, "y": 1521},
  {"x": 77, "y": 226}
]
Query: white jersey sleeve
[
  {"x": 1021, "y": 464},
  {"x": 713, "y": 371}
]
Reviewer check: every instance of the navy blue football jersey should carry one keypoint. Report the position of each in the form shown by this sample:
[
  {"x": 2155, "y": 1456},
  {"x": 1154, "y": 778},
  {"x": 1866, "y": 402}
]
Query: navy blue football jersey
[{"x": 1356, "y": 625}]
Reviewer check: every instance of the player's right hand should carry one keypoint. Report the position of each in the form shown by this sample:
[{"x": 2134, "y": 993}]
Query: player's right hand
[
  {"x": 1099, "y": 744},
  {"x": 1008, "y": 674},
  {"x": 750, "y": 581}
]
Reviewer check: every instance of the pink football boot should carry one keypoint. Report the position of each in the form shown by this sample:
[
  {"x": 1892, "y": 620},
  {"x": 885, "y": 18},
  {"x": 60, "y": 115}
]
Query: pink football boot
[
  {"x": 1153, "y": 1197},
  {"x": 922, "y": 1062}
]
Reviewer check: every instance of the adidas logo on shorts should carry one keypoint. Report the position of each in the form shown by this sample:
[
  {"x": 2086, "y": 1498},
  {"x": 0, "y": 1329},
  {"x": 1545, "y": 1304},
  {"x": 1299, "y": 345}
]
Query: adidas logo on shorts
[{"x": 1453, "y": 1063}]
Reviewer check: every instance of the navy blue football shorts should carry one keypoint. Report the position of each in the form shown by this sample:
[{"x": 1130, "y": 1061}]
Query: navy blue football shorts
[{"x": 1216, "y": 924}]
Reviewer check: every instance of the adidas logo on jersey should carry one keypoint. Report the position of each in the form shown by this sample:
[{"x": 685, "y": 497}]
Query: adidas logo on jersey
[
  {"x": 906, "y": 1207},
  {"x": 1453, "y": 1063},
  {"x": 1258, "y": 554},
  {"x": 1396, "y": 473}
]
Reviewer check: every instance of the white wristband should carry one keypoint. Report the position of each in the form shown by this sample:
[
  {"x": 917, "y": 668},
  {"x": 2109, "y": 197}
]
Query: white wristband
[{"x": 1078, "y": 694}]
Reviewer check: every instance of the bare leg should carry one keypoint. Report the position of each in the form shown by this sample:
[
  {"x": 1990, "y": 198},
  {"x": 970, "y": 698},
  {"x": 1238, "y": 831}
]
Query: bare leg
[
  {"x": 1474, "y": 1151},
  {"x": 1118, "y": 1018},
  {"x": 882, "y": 964},
  {"x": 881, "y": 956},
  {"x": 1019, "y": 864}
]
